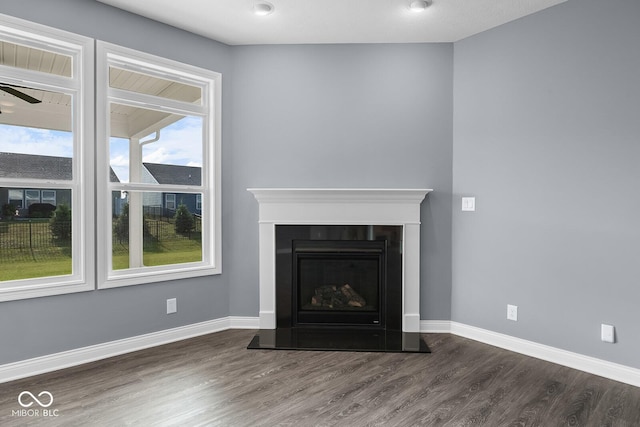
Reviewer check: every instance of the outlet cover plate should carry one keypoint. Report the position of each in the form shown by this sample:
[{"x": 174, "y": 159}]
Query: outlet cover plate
[
  {"x": 172, "y": 306},
  {"x": 608, "y": 333},
  {"x": 512, "y": 312}
]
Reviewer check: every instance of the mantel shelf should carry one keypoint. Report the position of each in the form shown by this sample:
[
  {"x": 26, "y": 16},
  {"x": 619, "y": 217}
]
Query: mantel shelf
[{"x": 352, "y": 195}]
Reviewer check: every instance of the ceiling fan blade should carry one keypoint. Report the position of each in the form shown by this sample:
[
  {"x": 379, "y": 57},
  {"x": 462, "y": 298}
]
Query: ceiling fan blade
[{"x": 30, "y": 99}]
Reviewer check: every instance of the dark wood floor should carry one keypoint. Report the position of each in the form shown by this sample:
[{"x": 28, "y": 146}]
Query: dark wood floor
[{"x": 214, "y": 381}]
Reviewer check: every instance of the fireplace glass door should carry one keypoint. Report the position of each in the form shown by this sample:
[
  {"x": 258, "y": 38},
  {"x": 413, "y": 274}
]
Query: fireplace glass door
[{"x": 338, "y": 283}]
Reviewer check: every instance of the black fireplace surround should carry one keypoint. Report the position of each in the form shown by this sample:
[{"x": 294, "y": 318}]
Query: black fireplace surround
[
  {"x": 339, "y": 287},
  {"x": 367, "y": 258}
]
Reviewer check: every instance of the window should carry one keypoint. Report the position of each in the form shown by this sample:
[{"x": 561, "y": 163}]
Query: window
[
  {"x": 32, "y": 196},
  {"x": 46, "y": 141},
  {"x": 159, "y": 146},
  {"x": 16, "y": 198},
  {"x": 170, "y": 202},
  {"x": 48, "y": 196},
  {"x": 198, "y": 202}
]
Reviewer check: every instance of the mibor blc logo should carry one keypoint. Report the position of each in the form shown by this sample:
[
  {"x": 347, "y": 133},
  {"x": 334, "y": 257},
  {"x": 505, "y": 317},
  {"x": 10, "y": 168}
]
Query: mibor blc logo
[
  {"x": 35, "y": 405},
  {"x": 25, "y": 402}
]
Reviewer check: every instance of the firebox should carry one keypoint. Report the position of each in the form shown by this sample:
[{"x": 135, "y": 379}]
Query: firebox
[
  {"x": 339, "y": 276},
  {"x": 339, "y": 282}
]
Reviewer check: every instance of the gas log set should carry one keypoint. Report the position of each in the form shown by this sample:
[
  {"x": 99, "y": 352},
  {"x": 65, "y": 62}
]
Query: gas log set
[{"x": 337, "y": 297}]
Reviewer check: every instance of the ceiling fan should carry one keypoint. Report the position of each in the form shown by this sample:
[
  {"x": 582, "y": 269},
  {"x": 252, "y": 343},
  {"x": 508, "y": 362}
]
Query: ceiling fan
[{"x": 11, "y": 89}]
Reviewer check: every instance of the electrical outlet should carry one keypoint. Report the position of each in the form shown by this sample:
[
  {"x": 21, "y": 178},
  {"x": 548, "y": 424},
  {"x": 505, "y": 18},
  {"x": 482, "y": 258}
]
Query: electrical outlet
[
  {"x": 608, "y": 333},
  {"x": 512, "y": 312},
  {"x": 172, "y": 306}
]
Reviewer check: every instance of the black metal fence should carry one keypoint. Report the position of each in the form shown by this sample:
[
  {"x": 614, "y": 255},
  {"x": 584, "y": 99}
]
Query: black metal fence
[
  {"x": 165, "y": 230},
  {"x": 157, "y": 231},
  {"x": 33, "y": 240}
]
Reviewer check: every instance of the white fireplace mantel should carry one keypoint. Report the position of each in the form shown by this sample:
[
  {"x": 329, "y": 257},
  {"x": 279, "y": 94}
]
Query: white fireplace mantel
[{"x": 341, "y": 206}]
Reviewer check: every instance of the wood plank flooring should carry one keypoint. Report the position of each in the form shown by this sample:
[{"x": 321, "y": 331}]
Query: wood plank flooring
[{"x": 215, "y": 381}]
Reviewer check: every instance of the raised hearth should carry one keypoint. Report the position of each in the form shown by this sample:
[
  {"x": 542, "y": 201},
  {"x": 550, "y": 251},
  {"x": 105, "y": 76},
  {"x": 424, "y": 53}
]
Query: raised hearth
[{"x": 348, "y": 339}]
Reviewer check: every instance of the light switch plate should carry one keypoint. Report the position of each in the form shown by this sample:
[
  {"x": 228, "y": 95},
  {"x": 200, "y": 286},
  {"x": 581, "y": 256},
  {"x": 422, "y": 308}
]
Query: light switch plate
[{"x": 469, "y": 204}]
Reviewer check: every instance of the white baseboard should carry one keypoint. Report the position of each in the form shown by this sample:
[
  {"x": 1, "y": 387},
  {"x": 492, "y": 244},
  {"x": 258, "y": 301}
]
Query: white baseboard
[
  {"x": 614, "y": 371},
  {"x": 244, "y": 322},
  {"x": 66, "y": 359},
  {"x": 435, "y": 326}
]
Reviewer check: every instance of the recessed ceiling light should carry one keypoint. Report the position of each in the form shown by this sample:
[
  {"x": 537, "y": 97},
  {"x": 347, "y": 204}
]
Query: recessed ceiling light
[
  {"x": 262, "y": 8},
  {"x": 419, "y": 5}
]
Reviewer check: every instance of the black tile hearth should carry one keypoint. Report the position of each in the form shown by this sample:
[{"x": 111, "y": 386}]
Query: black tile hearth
[{"x": 334, "y": 339}]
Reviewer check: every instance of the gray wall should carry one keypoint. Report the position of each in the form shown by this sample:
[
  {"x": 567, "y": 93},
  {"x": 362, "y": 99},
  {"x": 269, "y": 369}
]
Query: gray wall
[
  {"x": 342, "y": 116},
  {"x": 546, "y": 128},
  {"x": 40, "y": 326},
  {"x": 542, "y": 128},
  {"x": 360, "y": 116}
]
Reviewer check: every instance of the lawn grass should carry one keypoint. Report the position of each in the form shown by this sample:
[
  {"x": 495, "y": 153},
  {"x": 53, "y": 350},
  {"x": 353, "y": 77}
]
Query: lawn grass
[
  {"x": 27, "y": 251},
  {"x": 31, "y": 269},
  {"x": 165, "y": 253}
]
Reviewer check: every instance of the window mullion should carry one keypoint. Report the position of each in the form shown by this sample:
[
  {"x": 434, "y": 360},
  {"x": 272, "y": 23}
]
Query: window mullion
[
  {"x": 153, "y": 102},
  {"x": 115, "y": 186},
  {"x": 37, "y": 80}
]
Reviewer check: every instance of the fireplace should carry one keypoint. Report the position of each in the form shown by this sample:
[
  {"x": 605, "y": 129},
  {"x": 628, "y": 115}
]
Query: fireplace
[
  {"x": 339, "y": 269},
  {"x": 338, "y": 276}
]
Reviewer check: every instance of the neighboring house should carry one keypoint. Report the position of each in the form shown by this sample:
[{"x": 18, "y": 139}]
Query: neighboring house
[
  {"x": 172, "y": 174},
  {"x": 13, "y": 165}
]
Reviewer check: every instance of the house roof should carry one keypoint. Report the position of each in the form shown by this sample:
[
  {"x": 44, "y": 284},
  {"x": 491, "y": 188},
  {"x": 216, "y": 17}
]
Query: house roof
[
  {"x": 14, "y": 165},
  {"x": 30, "y": 166},
  {"x": 175, "y": 174}
]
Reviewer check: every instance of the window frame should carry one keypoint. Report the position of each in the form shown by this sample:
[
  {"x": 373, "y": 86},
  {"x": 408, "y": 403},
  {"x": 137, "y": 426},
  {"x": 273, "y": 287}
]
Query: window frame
[
  {"x": 166, "y": 201},
  {"x": 44, "y": 199},
  {"x": 107, "y": 55},
  {"x": 29, "y": 200},
  {"x": 80, "y": 87},
  {"x": 10, "y": 199}
]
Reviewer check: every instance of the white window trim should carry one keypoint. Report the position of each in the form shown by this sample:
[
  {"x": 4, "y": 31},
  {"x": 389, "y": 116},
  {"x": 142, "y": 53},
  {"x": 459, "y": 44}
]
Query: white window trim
[
  {"x": 109, "y": 54},
  {"x": 81, "y": 49},
  {"x": 166, "y": 201}
]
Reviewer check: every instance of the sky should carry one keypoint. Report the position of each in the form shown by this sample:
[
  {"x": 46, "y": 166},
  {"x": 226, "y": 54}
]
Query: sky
[
  {"x": 180, "y": 144},
  {"x": 45, "y": 142}
]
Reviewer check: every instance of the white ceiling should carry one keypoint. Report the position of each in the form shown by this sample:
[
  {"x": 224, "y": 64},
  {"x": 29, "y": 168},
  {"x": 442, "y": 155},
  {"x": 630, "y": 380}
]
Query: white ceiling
[{"x": 333, "y": 21}]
